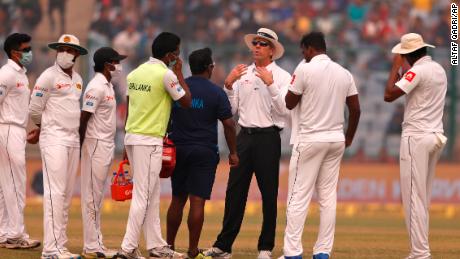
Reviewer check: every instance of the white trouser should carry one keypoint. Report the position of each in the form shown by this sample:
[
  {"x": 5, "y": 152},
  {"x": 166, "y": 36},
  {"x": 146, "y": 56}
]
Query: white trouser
[
  {"x": 418, "y": 158},
  {"x": 144, "y": 212},
  {"x": 12, "y": 181},
  {"x": 60, "y": 164},
  {"x": 96, "y": 160},
  {"x": 313, "y": 165}
]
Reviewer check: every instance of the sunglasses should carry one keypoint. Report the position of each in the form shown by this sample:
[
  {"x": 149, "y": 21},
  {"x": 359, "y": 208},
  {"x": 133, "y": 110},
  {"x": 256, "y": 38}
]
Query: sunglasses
[
  {"x": 25, "y": 49},
  {"x": 260, "y": 43}
]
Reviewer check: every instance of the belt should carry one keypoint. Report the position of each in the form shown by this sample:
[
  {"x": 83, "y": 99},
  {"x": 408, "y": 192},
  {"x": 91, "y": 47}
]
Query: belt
[{"x": 257, "y": 130}]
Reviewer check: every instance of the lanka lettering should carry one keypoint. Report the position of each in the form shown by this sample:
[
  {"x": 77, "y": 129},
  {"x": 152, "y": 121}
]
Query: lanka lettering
[{"x": 140, "y": 87}]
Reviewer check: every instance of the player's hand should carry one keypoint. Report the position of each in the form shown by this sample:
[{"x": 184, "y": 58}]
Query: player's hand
[
  {"x": 233, "y": 160},
  {"x": 125, "y": 155},
  {"x": 33, "y": 136},
  {"x": 398, "y": 60},
  {"x": 236, "y": 73},
  {"x": 265, "y": 75},
  {"x": 348, "y": 142},
  {"x": 177, "y": 68}
]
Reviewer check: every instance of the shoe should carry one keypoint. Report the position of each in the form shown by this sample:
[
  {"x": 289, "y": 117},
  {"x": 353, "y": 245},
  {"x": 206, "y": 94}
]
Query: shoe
[
  {"x": 105, "y": 253},
  {"x": 22, "y": 243},
  {"x": 217, "y": 253},
  {"x": 164, "y": 252},
  {"x": 321, "y": 256},
  {"x": 63, "y": 255},
  {"x": 264, "y": 254},
  {"x": 135, "y": 254},
  {"x": 200, "y": 255},
  {"x": 3, "y": 243},
  {"x": 290, "y": 257}
]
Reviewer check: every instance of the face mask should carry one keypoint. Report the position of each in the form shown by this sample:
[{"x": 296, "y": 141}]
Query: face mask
[
  {"x": 117, "y": 71},
  {"x": 26, "y": 58},
  {"x": 172, "y": 63},
  {"x": 65, "y": 60}
]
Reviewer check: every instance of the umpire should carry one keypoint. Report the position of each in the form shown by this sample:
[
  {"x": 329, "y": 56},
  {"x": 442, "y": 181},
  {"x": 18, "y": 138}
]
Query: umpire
[{"x": 256, "y": 93}]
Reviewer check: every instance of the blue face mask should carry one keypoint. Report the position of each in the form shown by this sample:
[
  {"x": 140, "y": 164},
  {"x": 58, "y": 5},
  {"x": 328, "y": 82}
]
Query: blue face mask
[{"x": 26, "y": 58}]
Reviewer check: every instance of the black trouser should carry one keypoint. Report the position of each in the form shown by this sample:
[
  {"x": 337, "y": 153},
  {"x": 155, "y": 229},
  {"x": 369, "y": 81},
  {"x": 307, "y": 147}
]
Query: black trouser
[{"x": 258, "y": 152}]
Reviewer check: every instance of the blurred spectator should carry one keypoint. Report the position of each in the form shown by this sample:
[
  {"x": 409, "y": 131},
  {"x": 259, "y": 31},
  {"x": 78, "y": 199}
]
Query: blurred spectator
[
  {"x": 59, "y": 6},
  {"x": 30, "y": 15},
  {"x": 127, "y": 41},
  {"x": 357, "y": 11}
]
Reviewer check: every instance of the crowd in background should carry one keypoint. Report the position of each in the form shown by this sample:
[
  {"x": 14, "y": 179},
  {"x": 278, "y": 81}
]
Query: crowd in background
[{"x": 359, "y": 33}]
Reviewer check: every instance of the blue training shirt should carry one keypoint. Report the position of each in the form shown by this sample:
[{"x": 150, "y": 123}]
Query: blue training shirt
[{"x": 198, "y": 124}]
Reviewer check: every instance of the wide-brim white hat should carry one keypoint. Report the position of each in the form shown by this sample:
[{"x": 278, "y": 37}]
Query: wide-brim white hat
[
  {"x": 409, "y": 43},
  {"x": 70, "y": 41},
  {"x": 267, "y": 34}
]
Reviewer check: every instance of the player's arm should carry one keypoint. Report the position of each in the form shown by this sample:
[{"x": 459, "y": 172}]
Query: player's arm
[
  {"x": 353, "y": 118},
  {"x": 84, "y": 118},
  {"x": 5, "y": 87},
  {"x": 292, "y": 100},
  {"x": 91, "y": 100},
  {"x": 296, "y": 87},
  {"x": 224, "y": 113},
  {"x": 231, "y": 85},
  {"x": 38, "y": 99},
  {"x": 177, "y": 91},
  {"x": 392, "y": 91}
]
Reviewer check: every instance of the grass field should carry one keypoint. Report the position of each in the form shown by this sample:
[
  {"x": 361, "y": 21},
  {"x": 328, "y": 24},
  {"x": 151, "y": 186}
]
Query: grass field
[{"x": 363, "y": 231}]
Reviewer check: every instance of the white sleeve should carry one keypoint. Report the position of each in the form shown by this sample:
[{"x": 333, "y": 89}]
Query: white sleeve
[
  {"x": 172, "y": 86},
  {"x": 297, "y": 85},
  {"x": 39, "y": 97},
  {"x": 410, "y": 80},
  {"x": 5, "y": 86},
  {"x": 352, "y": 90},
  {"x": 278, "y": 93},
  {"x": 92, "y": 98},
  {"x": 233, "y": 96}
]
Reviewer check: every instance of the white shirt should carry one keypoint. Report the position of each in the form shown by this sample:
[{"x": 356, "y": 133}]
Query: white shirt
[
  {"x": 257, "y": 104},
  {"x": 99, "y": 99},
  {"x": 14, "y": 94},
  {"x": 324, "y": 86},
  {"x": 173, "y": 88},
  {"x": 55, "y": 104},
  {"x": 425, "y": 85}
]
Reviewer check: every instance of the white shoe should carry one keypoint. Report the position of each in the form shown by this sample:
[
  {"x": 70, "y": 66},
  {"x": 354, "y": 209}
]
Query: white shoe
[
  {"x": 264, "y": 254},
  {"x": 22, "y": 243},
  {"x": 135, "y": 254},
  {"x": 164, "y": 252},
  {"x": 63, "y": 255},
  {"x": 217, "y": 253}
]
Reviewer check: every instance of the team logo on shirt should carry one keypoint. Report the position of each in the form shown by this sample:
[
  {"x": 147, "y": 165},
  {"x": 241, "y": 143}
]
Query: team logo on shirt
[
  {"x": 39, "y": 94},
  {"x": 409, "y": 76},
  {"x": 109, "y": 98},
  {"x": 293, "y": 79},
  {"x": 78, "y": 86},
  {"x": 66, "y": 39},
  {"x": 173, "y": 84}
]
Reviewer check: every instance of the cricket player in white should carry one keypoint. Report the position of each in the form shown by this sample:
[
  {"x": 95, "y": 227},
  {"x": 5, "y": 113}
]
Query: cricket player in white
[
  {"x": 422, "y": 141},
  {"x": 152, "y": 87},
  {"x": 97, "y": 134},
  {"x": 322, "y": 88},
  {"x": 14, "y": 96},
  {"x": 55, "y": 109}
]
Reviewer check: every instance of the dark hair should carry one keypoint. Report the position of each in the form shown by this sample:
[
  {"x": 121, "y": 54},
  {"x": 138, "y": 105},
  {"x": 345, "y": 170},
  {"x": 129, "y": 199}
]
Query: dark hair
[
  {"x": 315, "y": 40},
  {"x": 164, "y": 43},
  {"x": 200, "y": 60},
  {"x": 415, "y": 55},
  {"x": 14, "y": 41},
  {"x": 99, "y": 67}
]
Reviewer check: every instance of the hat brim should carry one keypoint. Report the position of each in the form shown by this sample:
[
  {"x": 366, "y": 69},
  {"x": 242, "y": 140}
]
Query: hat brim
[
  {"x": 399, "y": 50},
  {"x": 119, "y": 58},
  {"x": 279, "y": 49},
  {"x": 80, "y": 49}
]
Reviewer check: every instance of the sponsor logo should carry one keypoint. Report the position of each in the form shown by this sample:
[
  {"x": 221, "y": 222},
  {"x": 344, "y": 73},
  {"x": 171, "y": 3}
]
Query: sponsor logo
[
  {"x": 409, "y": 76},
  {"x": 62, "y": 85},
  {"x": 19, "y": 84},
  {"x": 109, "y": 98},
  {"x": 128, "y": 192},
  {"x": 90, "y": 97},
  {"x": 173, "y": 84},
  {"x": 179, "y": 89},
  {"x": 38, "y": 88},
  {"x": 293, "y": 79},
  {"x": 39, "y": 94},
  {"x": 89, "y": 104}
]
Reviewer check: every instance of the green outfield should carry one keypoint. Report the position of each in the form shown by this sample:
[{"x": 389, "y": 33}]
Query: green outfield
[{"x": 363, "y": 231}]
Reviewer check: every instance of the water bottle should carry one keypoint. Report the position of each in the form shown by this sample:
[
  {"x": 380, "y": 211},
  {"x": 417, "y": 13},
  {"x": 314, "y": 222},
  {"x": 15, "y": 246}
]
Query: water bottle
[
  {"x": 113, "y": 177},
  {"x": 128, "y": 177}
]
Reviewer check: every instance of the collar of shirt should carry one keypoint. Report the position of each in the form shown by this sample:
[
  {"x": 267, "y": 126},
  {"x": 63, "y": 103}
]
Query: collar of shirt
[
  {"x": 270, "y": 66},
  {"x": 153, "y": 60},
  {"x": 16, "y": 67},
  {"x": 59, "y": 69},
  {"x": 319, "y": 58},
  {"x": 102, "y": 79},
  {"x": 422, "y": 60}
]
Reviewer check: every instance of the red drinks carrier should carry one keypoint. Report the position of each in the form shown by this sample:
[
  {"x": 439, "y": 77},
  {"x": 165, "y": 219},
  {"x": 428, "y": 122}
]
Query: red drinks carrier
[
  {"x": 169, "y": 158},
  {"x": 122, "y": 188}
]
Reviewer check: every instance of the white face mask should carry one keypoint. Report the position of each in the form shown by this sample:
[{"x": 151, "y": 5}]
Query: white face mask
[
  {"x": 117, "y": 71},
  {"x": 65, "y": 60}
]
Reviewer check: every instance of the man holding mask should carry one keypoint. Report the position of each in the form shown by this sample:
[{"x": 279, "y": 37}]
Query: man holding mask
[{"x": 55, "y": 109}]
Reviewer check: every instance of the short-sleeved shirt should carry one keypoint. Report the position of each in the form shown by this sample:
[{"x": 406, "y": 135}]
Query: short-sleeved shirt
[
  {"x": 324, "y": 86},
  {"x": 198, "y": 124},
  {"x": 425, "y": 85},
  {"x": 55, "y": 104},
  {"x": 14, "y": 94},
  {"x": 99, "y": 99}
]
